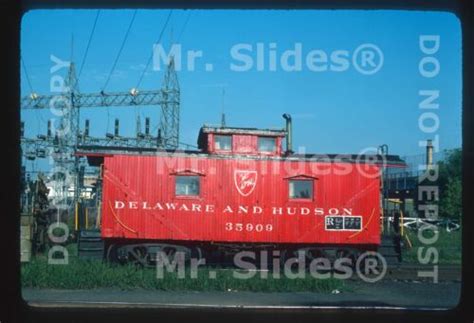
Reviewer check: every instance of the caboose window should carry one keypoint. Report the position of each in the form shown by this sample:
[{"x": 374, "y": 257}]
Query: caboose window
[
  {"x": 223, "y": 142},
  {"x": 266, "y": 144},
  {"x": 301, "y": 189},
  {"x": 187, "y": 185}
]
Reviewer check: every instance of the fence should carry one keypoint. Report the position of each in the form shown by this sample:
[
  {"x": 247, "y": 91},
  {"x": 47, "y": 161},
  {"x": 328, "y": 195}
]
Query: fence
[{"x": 416, "y": 223}]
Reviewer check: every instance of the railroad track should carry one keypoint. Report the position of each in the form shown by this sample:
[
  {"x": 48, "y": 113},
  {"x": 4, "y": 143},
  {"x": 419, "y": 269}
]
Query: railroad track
[{"x": 414, "y": 272}]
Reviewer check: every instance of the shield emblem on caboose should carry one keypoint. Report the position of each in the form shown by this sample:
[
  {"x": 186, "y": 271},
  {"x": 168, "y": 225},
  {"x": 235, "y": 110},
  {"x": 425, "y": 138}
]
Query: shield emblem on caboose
[{"x": 245, "y": 181}]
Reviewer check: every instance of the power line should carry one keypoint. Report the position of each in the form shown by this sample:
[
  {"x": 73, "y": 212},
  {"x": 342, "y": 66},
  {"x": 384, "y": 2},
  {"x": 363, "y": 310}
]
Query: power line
[
  {"x": 184, "y": 26},
  {"x": 120, "y": 50},
  {"x": 151, "y": 56},
  {"x": 27, "y": 75},
  {"x": 88, "y": 44}
]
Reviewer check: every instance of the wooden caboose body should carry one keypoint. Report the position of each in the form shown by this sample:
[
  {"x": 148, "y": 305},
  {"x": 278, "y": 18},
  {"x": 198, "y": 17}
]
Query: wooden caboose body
[{"x": 241, "y": 187}]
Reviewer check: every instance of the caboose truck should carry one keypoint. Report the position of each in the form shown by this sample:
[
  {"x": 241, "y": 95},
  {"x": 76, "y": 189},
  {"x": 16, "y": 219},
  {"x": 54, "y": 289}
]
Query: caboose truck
[{"x": 240, "y": 191}]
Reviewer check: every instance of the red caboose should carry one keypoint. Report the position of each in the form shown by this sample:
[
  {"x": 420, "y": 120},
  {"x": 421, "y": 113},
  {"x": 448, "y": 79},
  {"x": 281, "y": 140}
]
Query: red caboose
[{"x": 239, "y": 189}]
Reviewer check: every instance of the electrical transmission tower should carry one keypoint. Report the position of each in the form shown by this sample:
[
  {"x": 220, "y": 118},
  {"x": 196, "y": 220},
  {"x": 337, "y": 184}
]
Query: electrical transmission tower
[
  {"x": 63, "y": 143},
  {"x": 169, "y": 122}
]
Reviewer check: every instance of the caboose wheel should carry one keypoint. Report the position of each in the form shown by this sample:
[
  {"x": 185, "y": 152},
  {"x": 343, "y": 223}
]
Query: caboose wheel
[
  {"x": 314, "y": 253},
  {"x": 139, "y": 255},
  {"x": 306, "y": 254},
  {"x": 111, "y": 253},
  {"x": 169, "y": 253},
  {"x": 196, "y": 253},
  {"x": 343, "y": 256},
  {"x": 346, "y": 253}
]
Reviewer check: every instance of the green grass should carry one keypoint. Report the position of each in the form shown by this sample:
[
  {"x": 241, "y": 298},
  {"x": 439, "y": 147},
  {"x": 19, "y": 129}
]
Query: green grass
[
  {"x": 448, "y": 246},
  {"x": 82, "y": 274}
]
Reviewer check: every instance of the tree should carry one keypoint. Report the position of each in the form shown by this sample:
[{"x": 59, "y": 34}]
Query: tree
[{"x": 450, "y": 185}]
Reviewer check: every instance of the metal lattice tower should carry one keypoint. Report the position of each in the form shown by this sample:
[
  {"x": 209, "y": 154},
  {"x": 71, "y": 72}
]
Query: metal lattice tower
[
  {"x": 72, "y": 118},
  {"x": 63, "y": 144},
  {"x": 169, "y": 121}
]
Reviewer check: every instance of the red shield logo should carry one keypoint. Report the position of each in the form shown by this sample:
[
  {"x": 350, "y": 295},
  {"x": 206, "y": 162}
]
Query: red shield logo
[{"x": 245, "y": 181}]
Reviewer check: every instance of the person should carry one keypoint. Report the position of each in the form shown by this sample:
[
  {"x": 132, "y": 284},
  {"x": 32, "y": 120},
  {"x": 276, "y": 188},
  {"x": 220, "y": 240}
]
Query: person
[
  {"x": 397, "y": 237},
  {"x": 396, "y": 222}
]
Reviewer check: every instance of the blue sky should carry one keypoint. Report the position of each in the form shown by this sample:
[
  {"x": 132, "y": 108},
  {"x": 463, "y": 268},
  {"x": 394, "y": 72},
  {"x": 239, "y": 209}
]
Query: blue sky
[{"x": 333, "y": 112}]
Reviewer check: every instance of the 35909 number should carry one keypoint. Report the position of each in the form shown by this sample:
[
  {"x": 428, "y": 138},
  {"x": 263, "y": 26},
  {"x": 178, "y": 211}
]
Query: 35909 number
[{"x": 248, "y": 227}]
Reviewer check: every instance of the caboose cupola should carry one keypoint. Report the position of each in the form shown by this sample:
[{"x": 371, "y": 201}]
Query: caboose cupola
[{"x": 241, "y": 141}]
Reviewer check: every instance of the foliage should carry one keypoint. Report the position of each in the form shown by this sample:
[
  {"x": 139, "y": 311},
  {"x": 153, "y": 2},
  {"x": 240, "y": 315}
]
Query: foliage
[
  {"x": 448, "y": 246},
  {"x": 450, "y": 185}
]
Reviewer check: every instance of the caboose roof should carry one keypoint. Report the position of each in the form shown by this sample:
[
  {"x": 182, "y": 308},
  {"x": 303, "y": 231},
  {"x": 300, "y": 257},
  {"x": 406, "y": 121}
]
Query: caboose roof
[
  {"x": 96, "y": 154},
  {"x": 207, "y": 129},
  {"x": 241, "y": 130}
]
